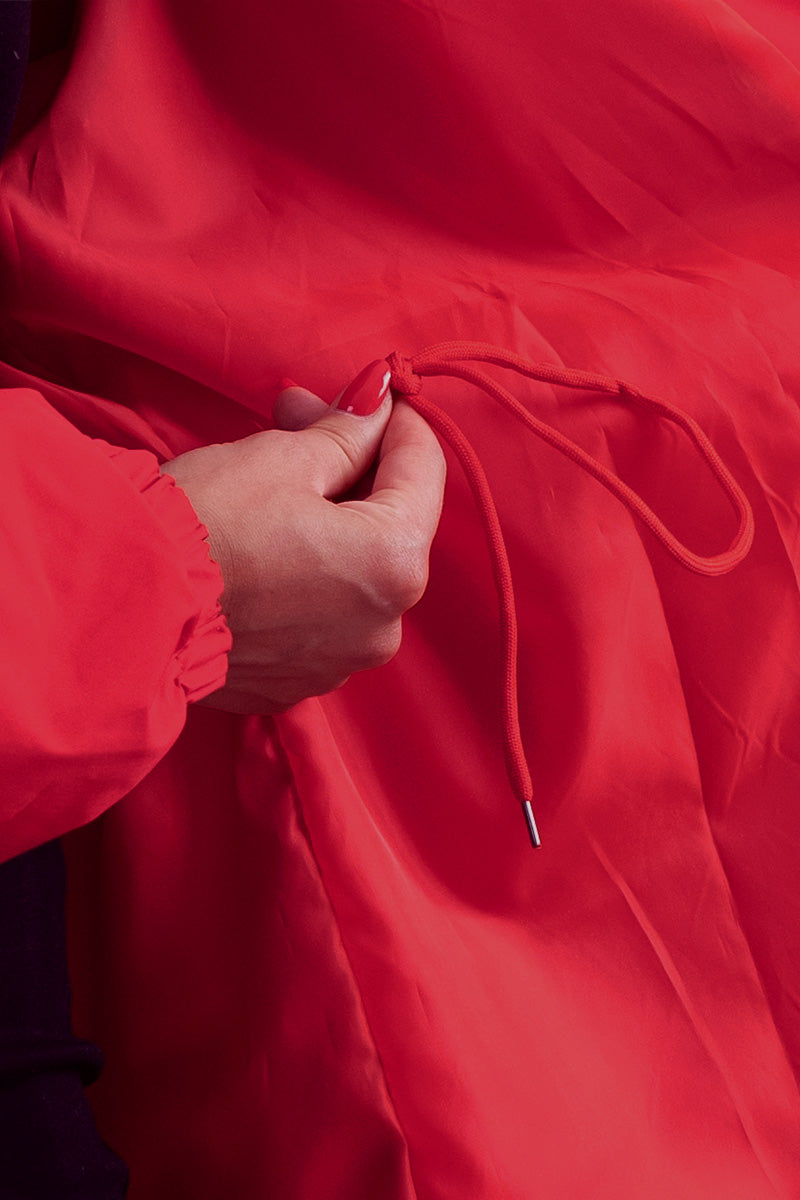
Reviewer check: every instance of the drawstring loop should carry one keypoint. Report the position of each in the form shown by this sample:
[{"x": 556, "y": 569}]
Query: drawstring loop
[{"x": 454, "y": 359}]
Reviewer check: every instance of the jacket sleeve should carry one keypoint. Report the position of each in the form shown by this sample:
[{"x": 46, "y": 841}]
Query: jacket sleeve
[{"x": 109, "y": 621}]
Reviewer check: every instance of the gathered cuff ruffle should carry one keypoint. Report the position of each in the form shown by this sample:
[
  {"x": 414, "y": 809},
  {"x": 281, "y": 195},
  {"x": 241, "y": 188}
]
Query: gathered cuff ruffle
[{"x": 202, "y": 655}]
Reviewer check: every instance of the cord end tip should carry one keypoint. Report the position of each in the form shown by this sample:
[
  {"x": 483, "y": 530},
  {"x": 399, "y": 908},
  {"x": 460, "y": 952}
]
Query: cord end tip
[{"x": 530, "y": 821}]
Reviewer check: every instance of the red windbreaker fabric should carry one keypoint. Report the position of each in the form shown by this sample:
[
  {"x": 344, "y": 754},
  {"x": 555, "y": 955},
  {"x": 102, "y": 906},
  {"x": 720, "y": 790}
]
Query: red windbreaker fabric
[
  {"x": 110, "y": 617},
  {"x": 318, "y": 951}
]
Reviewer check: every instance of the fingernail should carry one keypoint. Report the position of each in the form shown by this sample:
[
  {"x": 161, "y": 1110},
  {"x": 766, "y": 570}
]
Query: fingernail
[
  {"x": 286, "y": 383},
  {"x": 367, "y": 391}
]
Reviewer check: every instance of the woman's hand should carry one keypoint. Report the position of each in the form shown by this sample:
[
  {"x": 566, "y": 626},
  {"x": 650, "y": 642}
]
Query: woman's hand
[{"x": 315, "y": 587}]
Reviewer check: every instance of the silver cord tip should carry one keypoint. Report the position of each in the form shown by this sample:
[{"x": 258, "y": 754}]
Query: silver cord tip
[{"x": 530, "y": 821}]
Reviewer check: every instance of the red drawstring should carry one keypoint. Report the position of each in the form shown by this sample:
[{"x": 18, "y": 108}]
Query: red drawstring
[{"x": 448, "y": 358}]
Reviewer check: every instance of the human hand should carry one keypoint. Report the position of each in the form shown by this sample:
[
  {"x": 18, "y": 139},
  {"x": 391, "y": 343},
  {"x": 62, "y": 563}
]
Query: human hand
[{"x": 315, "y": 587}]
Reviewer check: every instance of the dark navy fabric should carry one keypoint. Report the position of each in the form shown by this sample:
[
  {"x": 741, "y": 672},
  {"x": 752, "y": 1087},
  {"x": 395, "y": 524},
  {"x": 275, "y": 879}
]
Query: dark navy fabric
[
  {"x": 49, "y": 1145},
  {"x": 15, "y": 28}
]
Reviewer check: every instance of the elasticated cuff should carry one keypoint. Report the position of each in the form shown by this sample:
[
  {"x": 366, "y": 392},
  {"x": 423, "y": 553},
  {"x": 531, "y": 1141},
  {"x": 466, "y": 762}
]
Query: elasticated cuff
[{"x": 202, "y": 655}]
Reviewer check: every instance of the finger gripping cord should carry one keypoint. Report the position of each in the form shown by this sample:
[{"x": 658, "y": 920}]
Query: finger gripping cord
[{"x": 455, "y": 359}]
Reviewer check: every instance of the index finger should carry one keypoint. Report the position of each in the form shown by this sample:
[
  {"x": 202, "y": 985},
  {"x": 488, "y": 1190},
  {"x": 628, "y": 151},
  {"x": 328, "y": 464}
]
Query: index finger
[{"x": 411, "y": 472}]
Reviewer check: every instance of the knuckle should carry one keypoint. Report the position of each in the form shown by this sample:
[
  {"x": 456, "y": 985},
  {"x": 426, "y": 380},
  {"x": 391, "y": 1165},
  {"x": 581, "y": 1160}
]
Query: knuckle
[
  {"x": 405, "y": 575},
  {"x": 388, "y": 644},
  {"x": 381, "y": 647}
]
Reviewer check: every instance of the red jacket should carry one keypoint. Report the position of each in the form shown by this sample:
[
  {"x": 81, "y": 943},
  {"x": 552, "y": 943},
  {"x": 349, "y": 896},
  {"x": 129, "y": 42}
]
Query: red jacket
[{"x": 318, "y": 951}]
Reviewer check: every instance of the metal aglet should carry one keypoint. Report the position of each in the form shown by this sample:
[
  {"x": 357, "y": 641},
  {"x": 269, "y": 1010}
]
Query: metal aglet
[{"x": 530, "y": 821}]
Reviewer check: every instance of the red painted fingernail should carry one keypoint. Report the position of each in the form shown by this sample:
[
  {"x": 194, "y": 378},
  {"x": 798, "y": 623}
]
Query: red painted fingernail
[
  {"x": 367, "y": 391},
  {"x": 286, "y": 383}
]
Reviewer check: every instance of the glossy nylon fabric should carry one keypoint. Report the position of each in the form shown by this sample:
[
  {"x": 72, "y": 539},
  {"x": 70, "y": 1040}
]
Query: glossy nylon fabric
[{"x": 318, "y": 952}]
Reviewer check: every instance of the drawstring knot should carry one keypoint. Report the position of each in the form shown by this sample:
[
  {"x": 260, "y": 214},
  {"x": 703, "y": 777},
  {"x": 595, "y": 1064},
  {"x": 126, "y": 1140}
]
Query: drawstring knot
[
  {"x": 404, "y": 379},
  {"x": 456, "y": 359}
]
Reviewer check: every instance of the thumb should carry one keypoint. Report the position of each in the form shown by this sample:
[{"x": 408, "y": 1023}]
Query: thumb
[
  {"x": 342, "y": 445},
  {"x": 296, "y": 407}
]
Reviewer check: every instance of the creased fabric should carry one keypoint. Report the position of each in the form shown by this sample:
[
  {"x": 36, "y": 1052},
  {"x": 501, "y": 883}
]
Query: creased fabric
[{"x": 319, "y": 953}]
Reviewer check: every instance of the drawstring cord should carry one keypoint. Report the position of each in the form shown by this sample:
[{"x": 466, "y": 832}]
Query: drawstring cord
[{"x": 452, "y": 358}]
